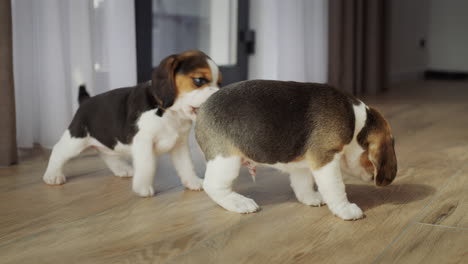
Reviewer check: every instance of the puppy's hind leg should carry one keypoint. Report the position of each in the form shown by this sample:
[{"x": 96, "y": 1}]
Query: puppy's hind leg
[
  {"x": 118, "y": 165},
  {"x": 302, "y": 182},
  {"x": 220, "y": 173},
  {"x": 67, "y": 148}
]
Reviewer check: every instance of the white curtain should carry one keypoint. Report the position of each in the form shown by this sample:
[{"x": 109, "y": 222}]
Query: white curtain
[
  {"x": 291, "y": 40},
  {"x": 55, "y": 51}
]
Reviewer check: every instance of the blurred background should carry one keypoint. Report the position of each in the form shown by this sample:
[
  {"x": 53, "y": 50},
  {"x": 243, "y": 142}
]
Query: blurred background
[{"x": 49, "y": 47}]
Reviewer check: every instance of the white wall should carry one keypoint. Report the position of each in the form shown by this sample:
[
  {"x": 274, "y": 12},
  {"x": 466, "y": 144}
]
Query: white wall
[
  {"x": 408, "y": 25},
  {"x": 448, "y": 35},
  {"x": 291, "y": 40}
]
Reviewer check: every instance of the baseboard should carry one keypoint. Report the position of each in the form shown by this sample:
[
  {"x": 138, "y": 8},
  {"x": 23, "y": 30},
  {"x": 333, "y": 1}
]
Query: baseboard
[
  {"x": 445, "y": 75},
  {"x": 406, "y": 76}
]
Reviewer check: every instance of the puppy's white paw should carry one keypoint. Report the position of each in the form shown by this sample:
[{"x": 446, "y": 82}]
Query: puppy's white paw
[
  {"x": 193, "y": 183},
  {"x": 122, "y": 170},
  {"x": 237, "y": 203},
  {"x": 144, "y": 190},
  {"x": 311, "y": 198},
  {"x": 349, "y": 211},
  {"x": 54, "y": 178}
]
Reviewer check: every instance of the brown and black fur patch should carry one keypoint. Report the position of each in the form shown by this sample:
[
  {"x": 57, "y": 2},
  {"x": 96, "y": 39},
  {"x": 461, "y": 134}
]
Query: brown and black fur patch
[
  {"x": 111, "y": 116},
  {"x": 275, "y": 121},
  {"x": 163, "y": 81},
  {"x": 174, "y": 75},
  {"x": 186, "y": 84},
  {"x": 193, "y": 59},
  {"x": 375, "y": 137}
]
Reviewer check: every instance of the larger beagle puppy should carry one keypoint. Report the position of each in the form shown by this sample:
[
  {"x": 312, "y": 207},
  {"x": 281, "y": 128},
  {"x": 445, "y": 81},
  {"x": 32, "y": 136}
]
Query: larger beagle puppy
[
  {"x": 311, "y": 131},
  {"x": 142, "y": 122}
]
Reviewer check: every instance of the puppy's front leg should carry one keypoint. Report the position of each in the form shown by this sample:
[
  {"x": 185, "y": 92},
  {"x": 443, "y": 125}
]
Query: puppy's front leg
[
  {"x": 331, "y": 187},
  {"x": 183, "y": 164},
  {"x": 144, "y": 165}
]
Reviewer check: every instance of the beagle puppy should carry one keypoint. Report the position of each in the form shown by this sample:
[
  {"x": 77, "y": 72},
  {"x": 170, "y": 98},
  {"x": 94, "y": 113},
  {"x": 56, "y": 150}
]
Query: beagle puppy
[
  {"x": 311, "y": 131},
  {"x": 142, "y": 122}
]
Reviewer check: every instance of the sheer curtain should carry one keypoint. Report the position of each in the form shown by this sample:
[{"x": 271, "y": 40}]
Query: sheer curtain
[
  {"x": 291, "y": 40},
  {"x": 57, "y": 47}
]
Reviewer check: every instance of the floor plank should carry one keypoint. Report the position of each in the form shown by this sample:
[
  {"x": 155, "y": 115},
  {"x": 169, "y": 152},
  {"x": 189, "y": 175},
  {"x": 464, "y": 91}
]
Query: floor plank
[
  {"x": 293, "y": 233},
  {"x": 428, "y": 244},
  {"x": 450, "y": 207}
]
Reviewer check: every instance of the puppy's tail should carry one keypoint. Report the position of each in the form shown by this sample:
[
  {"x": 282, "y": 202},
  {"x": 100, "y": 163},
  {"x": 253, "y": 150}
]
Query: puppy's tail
[{"x": 83, "y": 95}]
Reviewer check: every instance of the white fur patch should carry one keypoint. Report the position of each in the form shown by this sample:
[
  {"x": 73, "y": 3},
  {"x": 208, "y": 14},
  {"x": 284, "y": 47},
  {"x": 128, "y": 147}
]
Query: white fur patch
[
  {"x": 185, "y": 103},
  {"x": 360, "y": 115},
  {"x": 119, "y": 149},
  {"x": 350, "y": 162},
  {"x": 156, "y": 135},
  {"x": 183, "y": 164},
  {"x": 288, "y": 167},
  {"x": 214, "y": 72},
  {"x": 118, "y": 165},
  {"x": 220, "y": 173},
  {"x": 65, "y": 149},
  {"x": 331, "y": 186},
  {"x": 302, "y": 182}
]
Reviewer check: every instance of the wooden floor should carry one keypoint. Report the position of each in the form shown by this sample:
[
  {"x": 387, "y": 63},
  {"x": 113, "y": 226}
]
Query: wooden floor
[{"x": 95, "y": 218}]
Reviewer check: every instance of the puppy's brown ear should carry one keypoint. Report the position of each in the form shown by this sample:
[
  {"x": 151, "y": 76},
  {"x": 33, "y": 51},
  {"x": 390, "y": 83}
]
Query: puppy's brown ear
[
  {"x": 163, "y": 84},
  {"x": 382, "y": 155},
  {"x": 376, "y": 137}
]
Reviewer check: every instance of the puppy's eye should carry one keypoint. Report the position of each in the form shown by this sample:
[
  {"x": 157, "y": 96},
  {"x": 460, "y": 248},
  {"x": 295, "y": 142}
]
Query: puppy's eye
[{"x": 200, "y": 81}]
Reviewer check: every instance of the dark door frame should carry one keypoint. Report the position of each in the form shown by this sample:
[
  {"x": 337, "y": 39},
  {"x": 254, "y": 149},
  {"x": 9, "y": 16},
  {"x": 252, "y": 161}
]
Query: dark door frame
[
  {"x": 144, "y": 42},
  {"x": 245, "y": 42}
]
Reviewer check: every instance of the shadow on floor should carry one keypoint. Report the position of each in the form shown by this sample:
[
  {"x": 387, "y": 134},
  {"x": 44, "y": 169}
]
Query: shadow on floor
[
  {"x": 365, "y": 196},
  {"x": 368, "y": 196}
]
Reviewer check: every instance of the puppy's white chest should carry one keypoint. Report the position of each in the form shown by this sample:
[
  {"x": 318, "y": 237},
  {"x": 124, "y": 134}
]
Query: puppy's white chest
[
  {"x": 164, "y": 132},
  {"x": 165, "y": 139}
]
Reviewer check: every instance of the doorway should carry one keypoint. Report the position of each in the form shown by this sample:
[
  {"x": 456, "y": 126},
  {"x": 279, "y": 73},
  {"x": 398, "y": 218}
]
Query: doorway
[{"x": 217, "y": 27}]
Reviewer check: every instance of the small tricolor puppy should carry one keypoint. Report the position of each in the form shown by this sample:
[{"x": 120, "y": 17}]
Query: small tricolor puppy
[
  {"x": 142, "y": 122},
  {"x": 311, "y": 131}
]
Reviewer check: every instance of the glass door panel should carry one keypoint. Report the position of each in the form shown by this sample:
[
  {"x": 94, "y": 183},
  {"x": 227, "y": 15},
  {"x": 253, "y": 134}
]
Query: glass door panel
[{"x": 206, "y": 25}]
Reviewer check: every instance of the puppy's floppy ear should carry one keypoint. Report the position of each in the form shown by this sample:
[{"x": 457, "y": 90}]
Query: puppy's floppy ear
[
  {"x": 382, "y": 155},
  {"x": 163, "y": 84},
  {"x": 376, "y": 137}
]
